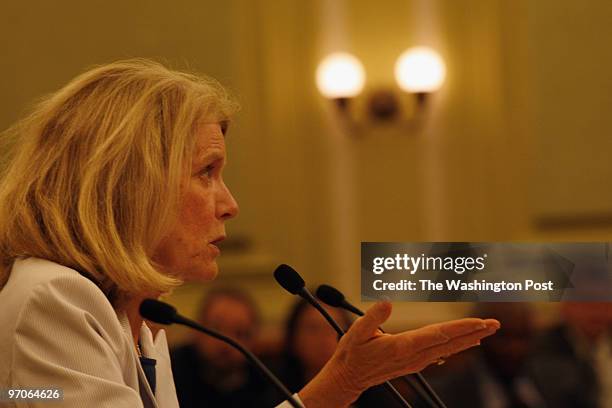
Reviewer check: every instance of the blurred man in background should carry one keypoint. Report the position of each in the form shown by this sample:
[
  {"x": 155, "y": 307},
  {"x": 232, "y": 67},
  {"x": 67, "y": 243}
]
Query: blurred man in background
[
  {"x": 572, "y": 362},
  {"x": 496, "y": 375},
  {"x": 208, "y": 372}
]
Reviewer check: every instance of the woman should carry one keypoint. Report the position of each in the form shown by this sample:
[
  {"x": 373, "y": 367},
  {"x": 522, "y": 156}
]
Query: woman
[{"x": 112, "y": 193}]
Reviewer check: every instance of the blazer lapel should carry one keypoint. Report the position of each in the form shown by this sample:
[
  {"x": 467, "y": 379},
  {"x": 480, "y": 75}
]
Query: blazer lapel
[
  {"x": 146, "y": 394},
  {"x": 157, "y": 349}
]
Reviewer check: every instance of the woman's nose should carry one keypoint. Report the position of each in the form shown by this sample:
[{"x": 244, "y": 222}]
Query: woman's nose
[{"x": 228, "y": 207}]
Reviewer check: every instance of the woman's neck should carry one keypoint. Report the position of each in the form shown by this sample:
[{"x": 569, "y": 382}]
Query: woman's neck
[{"x": 133, "y": 315}]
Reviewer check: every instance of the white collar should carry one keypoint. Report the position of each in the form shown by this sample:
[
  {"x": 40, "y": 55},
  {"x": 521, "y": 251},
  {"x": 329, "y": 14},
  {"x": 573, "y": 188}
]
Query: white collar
[{"x": 155, "y": 348}]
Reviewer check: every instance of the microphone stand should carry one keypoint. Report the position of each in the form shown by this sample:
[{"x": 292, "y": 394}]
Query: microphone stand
[{"x": 177, "y": 318}]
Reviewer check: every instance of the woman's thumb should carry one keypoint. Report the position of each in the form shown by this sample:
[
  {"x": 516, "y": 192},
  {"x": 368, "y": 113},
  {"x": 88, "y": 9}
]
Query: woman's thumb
[{"x": 366, "y": 326}]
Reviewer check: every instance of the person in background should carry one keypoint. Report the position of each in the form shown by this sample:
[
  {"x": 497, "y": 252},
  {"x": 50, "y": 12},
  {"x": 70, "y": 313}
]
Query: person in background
[
  {"x": 496, "y": 375},
  {"x": 208, "y": 372},
  {"x": 308, "y": 344},
  {"x": 572, "y": 362}
]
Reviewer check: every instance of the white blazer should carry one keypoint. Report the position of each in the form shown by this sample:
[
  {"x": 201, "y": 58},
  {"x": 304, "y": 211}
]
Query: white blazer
[{"x": 57, "y": 329}]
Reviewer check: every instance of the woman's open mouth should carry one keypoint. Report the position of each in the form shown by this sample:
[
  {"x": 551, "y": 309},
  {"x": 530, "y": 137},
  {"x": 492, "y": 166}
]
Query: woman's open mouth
[{"x": 214, "y": 244}]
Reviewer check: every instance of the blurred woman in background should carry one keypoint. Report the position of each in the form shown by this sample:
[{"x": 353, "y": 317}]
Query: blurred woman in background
[{"x": 309, "y": 342}]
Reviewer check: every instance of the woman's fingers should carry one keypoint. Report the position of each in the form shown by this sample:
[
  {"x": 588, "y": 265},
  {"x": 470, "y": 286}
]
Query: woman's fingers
[
  {"x": 366, "y": 326},
  {"x": 441, "y": 333},
  {"x": 414, "y": 350},
  {"x": 453, "y": 346},
  {"x": 410, "y": 362},
  {"x": 461, "y": 327}
]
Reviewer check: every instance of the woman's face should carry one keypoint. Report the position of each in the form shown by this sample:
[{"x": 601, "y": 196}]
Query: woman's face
[{"x": 189, "y": 250}]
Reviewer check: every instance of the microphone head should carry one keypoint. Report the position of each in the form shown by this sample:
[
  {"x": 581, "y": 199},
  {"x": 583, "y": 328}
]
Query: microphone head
[
  {"x": 289, "y": 279},
  {"x": 157, "y": 311},
  {"x": 330, "y": 295}
]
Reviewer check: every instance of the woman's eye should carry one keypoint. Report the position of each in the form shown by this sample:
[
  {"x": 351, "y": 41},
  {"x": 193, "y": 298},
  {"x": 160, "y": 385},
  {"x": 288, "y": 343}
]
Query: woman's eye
[{"x": 207, "y": 171}]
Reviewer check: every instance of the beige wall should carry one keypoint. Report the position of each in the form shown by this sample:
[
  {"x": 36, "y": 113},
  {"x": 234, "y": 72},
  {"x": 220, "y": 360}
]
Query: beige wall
[{"x": 518, "y": 134}]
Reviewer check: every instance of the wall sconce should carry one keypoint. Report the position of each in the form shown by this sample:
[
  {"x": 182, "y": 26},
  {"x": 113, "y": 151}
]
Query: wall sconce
[
  {"x": 418, "y": 71},
  {"x": 340, "y": 76},
  {"x": 421, "y": 71}
]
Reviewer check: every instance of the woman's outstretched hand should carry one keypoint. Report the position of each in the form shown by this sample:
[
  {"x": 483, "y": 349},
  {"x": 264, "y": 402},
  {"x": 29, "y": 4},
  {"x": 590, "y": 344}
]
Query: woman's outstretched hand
[{"x": 366, "y": 357}]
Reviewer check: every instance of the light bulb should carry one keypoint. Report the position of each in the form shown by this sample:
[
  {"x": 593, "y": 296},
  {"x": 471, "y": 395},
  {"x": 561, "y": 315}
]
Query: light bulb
[
  {"x": 420, "y": 70},
  {"x": 340, "y": 75}
]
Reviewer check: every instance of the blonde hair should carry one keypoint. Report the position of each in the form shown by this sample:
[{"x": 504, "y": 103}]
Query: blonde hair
[{"x": 93, "y": 177}]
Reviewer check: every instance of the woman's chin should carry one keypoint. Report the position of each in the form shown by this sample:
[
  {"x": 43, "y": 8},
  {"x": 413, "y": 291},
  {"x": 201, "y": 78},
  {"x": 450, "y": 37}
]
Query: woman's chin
[{"x": 205, "y": 273}]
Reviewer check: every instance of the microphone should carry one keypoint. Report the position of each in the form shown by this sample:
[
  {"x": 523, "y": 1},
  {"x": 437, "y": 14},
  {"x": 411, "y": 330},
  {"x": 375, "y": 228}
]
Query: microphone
[
  {"x": 333, "y": 297},
  {"x": 163, "y": 313},
  {"x": 293, "y": 283}
]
